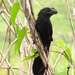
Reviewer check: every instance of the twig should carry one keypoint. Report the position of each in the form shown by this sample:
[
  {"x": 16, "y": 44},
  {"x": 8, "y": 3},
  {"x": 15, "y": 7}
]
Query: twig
[
  {"x": 73, "y": 8},
  {"x": 58, "y": 59},
  {"x": 5, "y": 7},
  {"x": 68, "y": 58},
  {"x": 25, "y": 22},
  {"x": 10, "y": 3},
  {"x": 4, "y": 11},
  {"x": 71, "y": 24},
  {"x": 19, "y": 22},
  {"x": 37, "y": 3},
  {"x": 21, "y": 58},
  {"x": 5, "y": 40},
  {"x": 16, "y": 68},
  {"x": 8, "y": 51},
  {"x": 32, "y": 10},
  {"x": 7, "y": 63},
  {"x": 9, "y": 45},
  {"x": 1, "y": 3},
  {"x": 56, "y": 51},
  {"x": 26, "y": 50},
  {"x": 8, "y": 25},
  {"x": 43, "y": 56}
]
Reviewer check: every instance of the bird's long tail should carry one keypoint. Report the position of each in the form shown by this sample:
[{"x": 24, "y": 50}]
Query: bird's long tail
[{"x": 38, "y": 66}]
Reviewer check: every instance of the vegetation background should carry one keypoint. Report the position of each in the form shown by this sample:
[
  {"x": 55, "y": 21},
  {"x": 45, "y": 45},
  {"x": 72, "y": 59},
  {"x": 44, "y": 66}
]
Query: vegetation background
[{"x": 61, "y": 30}]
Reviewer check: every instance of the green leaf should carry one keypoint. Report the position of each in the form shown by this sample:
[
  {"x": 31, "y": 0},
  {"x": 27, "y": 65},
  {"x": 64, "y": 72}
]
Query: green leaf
[
  {"x": 16, "y": 48},
  {"x": 34, "y": 50},
  {"x": 68, "y": 51},
  {"x": 14, "y": 10},
  {"x": 31, "y": 57},
  {"x": 16, "y": 44},
  {"x": 17, "y": 29},
  {"x": 61, "y": 44},
  {"x": 21, "y": 35}
]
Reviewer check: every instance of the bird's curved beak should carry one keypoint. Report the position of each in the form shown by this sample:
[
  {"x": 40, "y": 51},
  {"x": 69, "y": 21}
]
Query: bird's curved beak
[{"x": 53, "y": 11}]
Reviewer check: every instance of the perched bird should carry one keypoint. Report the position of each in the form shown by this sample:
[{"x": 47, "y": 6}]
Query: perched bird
[{"x": 44, "y": 28}]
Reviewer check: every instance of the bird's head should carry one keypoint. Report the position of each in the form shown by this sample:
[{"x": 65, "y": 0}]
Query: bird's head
[{"x": 47, "y": 12}]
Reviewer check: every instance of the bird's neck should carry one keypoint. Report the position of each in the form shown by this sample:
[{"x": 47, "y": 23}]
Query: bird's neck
[{"x": 43, "y": 18}]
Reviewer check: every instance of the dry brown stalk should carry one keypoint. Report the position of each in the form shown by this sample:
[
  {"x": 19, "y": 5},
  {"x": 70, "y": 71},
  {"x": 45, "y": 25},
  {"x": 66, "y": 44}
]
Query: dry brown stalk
[
  {"x": 13, "y": 67},
  {"x": 58, "y": 59},
  {"x": 73, "y": 8},
  {"x": 4, "y": 11},
  {"x": 1, "y": 3},
  {"x": 8, "y": 51},
  {"x": 71, "y": 24},
  {"x": 8, "y": 25},
  {"x": 5, "y": 7},
  {"x": 7, "y": 63}
]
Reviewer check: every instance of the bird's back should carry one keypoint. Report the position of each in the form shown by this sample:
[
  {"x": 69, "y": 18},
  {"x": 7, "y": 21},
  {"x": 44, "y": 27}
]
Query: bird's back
[{"x": 44, "y": 28}]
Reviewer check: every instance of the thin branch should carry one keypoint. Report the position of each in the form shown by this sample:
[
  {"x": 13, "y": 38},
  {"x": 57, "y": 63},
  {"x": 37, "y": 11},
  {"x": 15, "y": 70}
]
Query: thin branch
[
  {"x": 13, "y": 67},
  {"x": 69, "y": 14},
  {"x": 1, "y": 3},
  {"x": 7, "y": 63},
  {"x": 32, "y": 10},
  {"x": 5, "y": 7},
  {"x": 69, "y": 59},
  {"x": 19, "y": 22},
  {"x": 58, "y": 59},
  {"x": 8, "y": 25},
  {"x": 73, "y": 8},
  {"x": 56, "y": 51},
  {"x": 10, "y": 3},
  {"x": 8, "y": 51},
  {"x": 5, "y": 40},
  {"x": 21, "y": 58},
  {"x": 4, "y": 11},
  {"x": 37, "y": 3},
  {"x": 9, "y": 45},
  {"x": 71, "y": 24}
]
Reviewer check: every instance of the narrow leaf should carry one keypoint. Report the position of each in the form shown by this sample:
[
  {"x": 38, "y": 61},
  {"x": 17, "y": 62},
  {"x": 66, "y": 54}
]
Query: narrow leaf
[
  {"x": 61, "y": 44},
  {"x": 21, "y": 35},
  {"x": 14, "y": 10},
  {"x": 17, "y": 29},
  {"x": 31, "y": 57},
  {"x": 16, "y": 48},
  {"x": 68, "y": 51},
  {"x": 34, "y": 50}
]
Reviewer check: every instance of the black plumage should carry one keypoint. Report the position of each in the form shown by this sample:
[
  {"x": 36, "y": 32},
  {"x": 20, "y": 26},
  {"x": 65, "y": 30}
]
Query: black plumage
[{"x": 44, "y": 28}]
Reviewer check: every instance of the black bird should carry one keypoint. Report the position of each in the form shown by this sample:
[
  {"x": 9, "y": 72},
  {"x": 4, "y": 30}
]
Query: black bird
[{"x": 44, "y": 28}]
